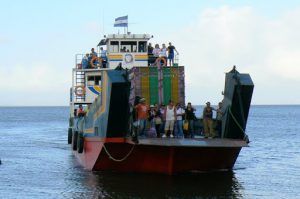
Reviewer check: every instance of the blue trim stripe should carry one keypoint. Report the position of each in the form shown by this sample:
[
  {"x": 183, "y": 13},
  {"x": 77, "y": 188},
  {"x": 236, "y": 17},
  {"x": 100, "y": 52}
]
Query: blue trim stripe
[
  {"x": 116, "y": 60},
  {"x": 93, "y": 90}
]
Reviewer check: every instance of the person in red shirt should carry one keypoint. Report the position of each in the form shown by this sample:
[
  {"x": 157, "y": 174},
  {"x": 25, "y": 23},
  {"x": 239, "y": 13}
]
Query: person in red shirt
[
  {"x": 142, "y": 115},
  {"x": 80, "y": 111}
]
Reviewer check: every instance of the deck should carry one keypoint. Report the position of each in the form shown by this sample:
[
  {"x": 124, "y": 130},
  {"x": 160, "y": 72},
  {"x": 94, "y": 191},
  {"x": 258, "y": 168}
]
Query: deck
[
  {"x": 198, "y": 141},
  {"x": 193, "y": 142}
]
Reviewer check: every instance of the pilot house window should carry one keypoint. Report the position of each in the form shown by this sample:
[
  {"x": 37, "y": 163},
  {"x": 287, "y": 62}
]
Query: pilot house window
[
  {"x": 94, "y": 80},
  {"x": 142, "y": 46},
  {"x": 128, "y": 46},
  {"x": 114, "y": 47}
]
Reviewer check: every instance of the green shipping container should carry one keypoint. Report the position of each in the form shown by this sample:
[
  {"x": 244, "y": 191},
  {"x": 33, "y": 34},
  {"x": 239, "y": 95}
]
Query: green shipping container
[
  {"x": 153, "y": 82},
  {"x": 166, "y": 85}
]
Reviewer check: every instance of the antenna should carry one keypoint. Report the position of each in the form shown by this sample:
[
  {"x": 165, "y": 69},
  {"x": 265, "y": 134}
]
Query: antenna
[
  {"x": 127, "y": 23},
  {"x": 103, "y": 21}
]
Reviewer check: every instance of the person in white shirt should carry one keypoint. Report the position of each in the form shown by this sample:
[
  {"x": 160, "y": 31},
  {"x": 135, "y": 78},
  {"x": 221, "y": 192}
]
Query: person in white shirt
[
  {"x": 170, "y": 114},
  {"x": 156, "y": 51},
  {"x": 163, "y": 52},
  {"x": 180, "y": 112}
]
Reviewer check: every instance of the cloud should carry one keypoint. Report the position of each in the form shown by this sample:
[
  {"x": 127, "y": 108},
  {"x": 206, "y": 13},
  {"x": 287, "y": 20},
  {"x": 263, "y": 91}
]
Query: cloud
[
  {"x": 219, "y": 38},
  {"x": 37, "y": 84},
  {"x": 267, "y": 48}
]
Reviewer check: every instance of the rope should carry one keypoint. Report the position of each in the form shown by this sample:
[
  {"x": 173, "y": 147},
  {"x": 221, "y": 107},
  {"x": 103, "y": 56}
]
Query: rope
[
  {"x": 246, "y": 138},
  {"x": 118, "y": 160}
]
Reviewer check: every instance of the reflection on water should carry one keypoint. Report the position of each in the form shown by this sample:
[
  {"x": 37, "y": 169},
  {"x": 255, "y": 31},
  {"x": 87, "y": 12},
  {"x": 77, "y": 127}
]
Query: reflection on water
[{"x": 188, "y": 185}]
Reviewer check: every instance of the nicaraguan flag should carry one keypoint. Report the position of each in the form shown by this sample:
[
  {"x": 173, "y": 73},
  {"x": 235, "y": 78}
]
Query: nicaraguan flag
[{"x": 121, "y": 21}]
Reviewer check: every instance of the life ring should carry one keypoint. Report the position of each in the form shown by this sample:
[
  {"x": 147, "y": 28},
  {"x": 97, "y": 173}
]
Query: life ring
[
  {"x": 80, "y": 91},
  {"x": 158, "y": 60},
  {"x": 128, "y": 58},
  {"x": 94, "y": 58}
]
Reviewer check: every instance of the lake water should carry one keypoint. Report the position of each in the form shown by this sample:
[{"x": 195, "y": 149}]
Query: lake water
[{"x": 38, "y": 163}]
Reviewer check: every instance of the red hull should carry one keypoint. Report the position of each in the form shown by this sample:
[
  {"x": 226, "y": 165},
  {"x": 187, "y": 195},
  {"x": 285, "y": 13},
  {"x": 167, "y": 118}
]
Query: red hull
[{"x": 159, "y": 155}]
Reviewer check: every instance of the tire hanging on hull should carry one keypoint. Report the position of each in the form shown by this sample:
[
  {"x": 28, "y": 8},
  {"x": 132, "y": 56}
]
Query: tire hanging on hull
[
  {"x": 74, "y": 143},
  {"x": 70, "y": 136},
  {"x": 80, "y": 143}
]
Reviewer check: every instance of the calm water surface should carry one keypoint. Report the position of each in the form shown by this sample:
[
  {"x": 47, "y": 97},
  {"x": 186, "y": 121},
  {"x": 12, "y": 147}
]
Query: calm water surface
[{"x": 37, "y": 162}]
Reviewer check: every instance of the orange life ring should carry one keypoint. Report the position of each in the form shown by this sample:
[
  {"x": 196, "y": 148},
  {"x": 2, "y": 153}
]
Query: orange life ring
[
  {"x": 158, "y": 60},
  {"x": 94, "y": 58},
  {"x": 78, "y": 92}
]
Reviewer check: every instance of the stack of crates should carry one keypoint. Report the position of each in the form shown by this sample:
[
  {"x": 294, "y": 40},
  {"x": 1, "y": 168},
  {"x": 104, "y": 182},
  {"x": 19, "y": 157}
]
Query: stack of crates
[{"x": 158, "y": 85}]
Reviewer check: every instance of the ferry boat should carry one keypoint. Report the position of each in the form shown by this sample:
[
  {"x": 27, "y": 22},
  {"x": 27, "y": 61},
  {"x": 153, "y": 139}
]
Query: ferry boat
[{"x": 101, "y": 138}]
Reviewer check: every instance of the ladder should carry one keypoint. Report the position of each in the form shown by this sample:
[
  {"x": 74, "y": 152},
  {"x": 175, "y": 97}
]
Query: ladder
[{"x": 80, "y": 81}]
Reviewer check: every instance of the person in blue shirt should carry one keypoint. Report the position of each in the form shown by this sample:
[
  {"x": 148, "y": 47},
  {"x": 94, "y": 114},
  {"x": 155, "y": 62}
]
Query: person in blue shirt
[
  {"x": 85, "y": 61},
  {"x": 171, "y": 50},
  {"x": 103, "y": 56},
  {"x": 93, "y": 52}
]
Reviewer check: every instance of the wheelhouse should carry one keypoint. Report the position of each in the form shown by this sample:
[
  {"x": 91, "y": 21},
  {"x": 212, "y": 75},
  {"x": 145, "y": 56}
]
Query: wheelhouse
[{"x": 129, "y": 50}]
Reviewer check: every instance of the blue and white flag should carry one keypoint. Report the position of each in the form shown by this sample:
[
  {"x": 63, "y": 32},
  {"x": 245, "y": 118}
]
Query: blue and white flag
[{"x": 121, "y": 21}]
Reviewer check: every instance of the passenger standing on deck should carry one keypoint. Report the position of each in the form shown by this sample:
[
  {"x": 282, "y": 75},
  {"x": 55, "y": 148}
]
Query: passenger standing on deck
[
  {"x": 171, "y": 49},
  {"x": 85, "y": 61},
  {"x": 219, "y": 119},
  {"x": 156, "y": 51},
  {"x": 163, "y": 52},
  {"x": 170, "y": 114},
  {"x": 179, "y": 114},
  {"x": 150, "y": 54},
  {"x": 142, "y": 115},
  {"x": 103, "y": 56},
  {"x": 162, "y": 112},
  {"x": 80, "y": 111},
  {"x": 93, "y": 52},
  {"x": 207, "y": 121},
  {"x": 151, "y": 119},
  {"x": 190, "y": 116},
  {"x": 157, "y": 120}
]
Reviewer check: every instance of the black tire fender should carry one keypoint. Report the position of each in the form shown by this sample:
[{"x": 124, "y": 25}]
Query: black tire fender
[
  {"x": 69, "y": 135},
  {"x": 74, "y": 140},
  {"x": 80, "y": 142}
]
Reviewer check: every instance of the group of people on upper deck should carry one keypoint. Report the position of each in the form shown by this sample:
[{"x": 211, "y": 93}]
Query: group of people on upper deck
[
  {"x": 163, "y": 56},
  {"x": 167, "y": 54},
  {"x": 164, "y": 121},
  {"x": 91, "y": 60}
]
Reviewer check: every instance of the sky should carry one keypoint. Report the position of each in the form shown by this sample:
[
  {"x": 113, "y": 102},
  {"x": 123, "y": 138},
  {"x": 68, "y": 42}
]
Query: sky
[{"x": 39, "y": 40}]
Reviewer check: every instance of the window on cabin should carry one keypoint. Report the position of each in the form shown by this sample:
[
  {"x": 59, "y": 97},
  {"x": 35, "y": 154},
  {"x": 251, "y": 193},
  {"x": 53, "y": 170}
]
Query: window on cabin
[
  {"x": 128, "y": 46},
  {"x": 114, "y": 47},
  {"x": 94, "y": 80},
  {"x": 142, "y": 46}
]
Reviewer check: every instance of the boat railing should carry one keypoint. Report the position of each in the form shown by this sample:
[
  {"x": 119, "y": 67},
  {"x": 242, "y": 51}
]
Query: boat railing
[
  {"x": 79, "y": 59},
  {"x": 151, "y": 61}
]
